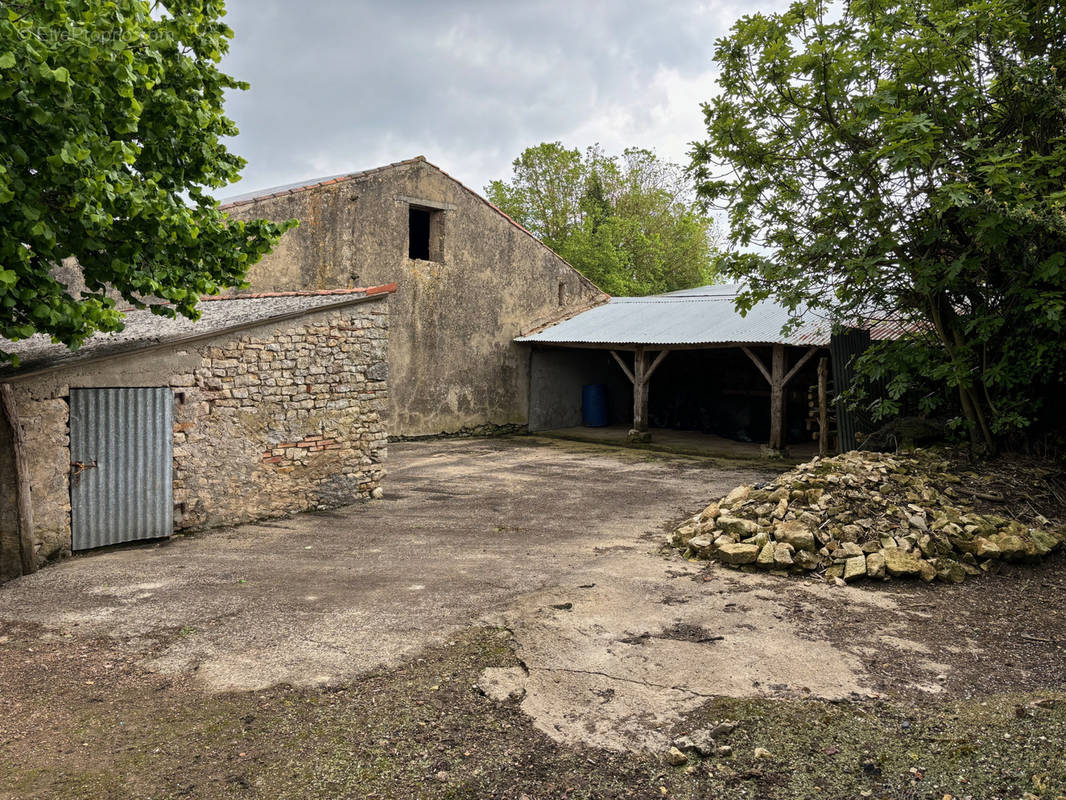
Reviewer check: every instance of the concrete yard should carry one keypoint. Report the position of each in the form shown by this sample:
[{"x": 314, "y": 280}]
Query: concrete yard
[{"x": 465, "y": 528}]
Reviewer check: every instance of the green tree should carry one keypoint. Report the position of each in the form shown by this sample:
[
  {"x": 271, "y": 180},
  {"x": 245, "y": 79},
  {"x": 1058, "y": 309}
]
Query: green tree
[
  {"x": 906, "y": 158},
  {"x": 630, "y": 224},
  {"x": 111, "y": 130}
]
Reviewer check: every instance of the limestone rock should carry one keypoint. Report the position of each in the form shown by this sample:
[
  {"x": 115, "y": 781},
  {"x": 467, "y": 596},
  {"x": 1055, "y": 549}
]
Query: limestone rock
[
  {"x": 848, "y": 550},
  {"x": 1011, "y": 547},
  {"x": 806, "y": 560},
  {"x": 723, "y": 540},
  {"x": 875, "y": 565},
  {"x": 986, "y": 548},
  {"x": 950, "y": 571},
  {"x": 738, "y": 553},
  {"x": 926, "y": 571},
  {"x": 859, "y": 514},
  {"x": 766, "y": 556},
  {"x": 796, "y": 534},
  {"x": 855, "y": 568},
  {"x": 737, "y": 526},
  {"x": 783, "y": 555},
  {"x": 683, "y": 534},
  {"x": 710, "y": 513},
  {"x": 675, "y": 758},
  {"x": 901, "y": 564},
  {"x": 738, "y": 495},
  {"x": 1043, "y": 542},
  {"x": 850, "y": 533},
  {"x": 700, "y": 545}
]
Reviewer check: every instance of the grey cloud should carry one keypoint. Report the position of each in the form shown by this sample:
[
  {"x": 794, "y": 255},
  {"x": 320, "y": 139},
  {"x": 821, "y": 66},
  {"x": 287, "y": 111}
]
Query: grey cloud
[{"x": 349, "y": 85}]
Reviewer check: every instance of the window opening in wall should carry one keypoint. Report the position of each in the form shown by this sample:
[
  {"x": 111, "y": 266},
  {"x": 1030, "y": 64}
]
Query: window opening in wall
[
  {"x": 425, "y": 234},
  {"x": 419, "y": 234},
  {"x": 562, "y": 293}
]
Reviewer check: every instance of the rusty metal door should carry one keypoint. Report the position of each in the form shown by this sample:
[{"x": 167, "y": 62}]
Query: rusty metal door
[{"x": 121, "y": 486}]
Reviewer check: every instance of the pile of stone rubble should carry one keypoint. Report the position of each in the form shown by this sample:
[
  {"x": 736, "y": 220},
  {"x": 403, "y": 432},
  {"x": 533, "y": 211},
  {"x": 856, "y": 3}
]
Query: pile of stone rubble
[{"x": 864, "y": 515}]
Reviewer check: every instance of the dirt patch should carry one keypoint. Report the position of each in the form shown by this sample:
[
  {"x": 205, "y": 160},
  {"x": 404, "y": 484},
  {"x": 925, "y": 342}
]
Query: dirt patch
[
  {"x": 87, "y": 723},
  {"x": 679, "y": 632},
  {"x": 1003, "y": 633}
]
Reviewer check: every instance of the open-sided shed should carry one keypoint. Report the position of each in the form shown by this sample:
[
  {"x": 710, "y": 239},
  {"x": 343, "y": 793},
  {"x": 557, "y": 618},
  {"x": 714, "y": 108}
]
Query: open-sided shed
[{"x": 714, "y": 369}]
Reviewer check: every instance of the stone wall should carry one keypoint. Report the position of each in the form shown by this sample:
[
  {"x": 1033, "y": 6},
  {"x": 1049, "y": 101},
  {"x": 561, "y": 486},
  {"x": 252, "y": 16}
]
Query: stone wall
[
  {"x": 276, "y": 419},
  {"x": 452, "y": 360}
]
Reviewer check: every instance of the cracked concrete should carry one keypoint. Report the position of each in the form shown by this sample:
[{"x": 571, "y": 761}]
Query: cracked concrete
[{"x": 612, "y": 671}]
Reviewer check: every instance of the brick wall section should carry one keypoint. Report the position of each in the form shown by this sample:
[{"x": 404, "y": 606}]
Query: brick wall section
[{"x": 277, "y": 419}]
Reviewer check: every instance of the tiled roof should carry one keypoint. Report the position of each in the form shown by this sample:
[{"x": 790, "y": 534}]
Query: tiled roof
[
  {"x": 313, "y": 183},
  {"x": 145, "y": 330}
]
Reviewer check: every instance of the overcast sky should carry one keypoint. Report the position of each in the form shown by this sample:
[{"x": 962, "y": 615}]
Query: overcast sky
[{"x": 343, "y": 85}]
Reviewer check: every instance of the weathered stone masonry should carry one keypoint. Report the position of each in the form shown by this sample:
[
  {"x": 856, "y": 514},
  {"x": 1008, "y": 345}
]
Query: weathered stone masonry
[
  {"x": 276, "y": 419},
  {"x": 290, "y": 420}
]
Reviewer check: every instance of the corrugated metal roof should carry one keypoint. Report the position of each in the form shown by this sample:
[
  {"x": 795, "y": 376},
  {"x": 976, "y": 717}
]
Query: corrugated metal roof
[{"x": 706, "y": 315}]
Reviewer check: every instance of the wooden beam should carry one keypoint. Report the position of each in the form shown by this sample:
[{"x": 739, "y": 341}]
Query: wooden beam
[
  {"x": 640, "y": 391},
  {"x": 758, "y": 363},
  {"x": 658, "y": 360},
  {"x": 777, "y": 398},
  {"x": 24, "y": 513},
  {"x": 625, "y": 369},
  {"x": 799, "y": 364},
  {"x": 823, "y": 408}
]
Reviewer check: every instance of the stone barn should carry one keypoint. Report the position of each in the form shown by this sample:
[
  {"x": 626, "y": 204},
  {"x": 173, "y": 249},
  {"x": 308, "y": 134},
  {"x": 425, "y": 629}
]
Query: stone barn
[
  {"x": 470, "y": 280},
  {"x": 268, "y": 405}
]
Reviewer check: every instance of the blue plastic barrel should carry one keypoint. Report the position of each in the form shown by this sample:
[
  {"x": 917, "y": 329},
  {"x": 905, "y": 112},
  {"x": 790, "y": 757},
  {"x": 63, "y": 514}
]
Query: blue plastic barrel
[{"x": 594, "y": 405}]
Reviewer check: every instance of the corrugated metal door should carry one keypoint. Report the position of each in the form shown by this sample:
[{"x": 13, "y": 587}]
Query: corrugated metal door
[{"x": 121, "y": 488}]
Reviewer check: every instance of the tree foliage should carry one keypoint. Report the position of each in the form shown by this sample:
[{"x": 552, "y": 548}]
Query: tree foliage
[
  {"x": 630, "y": 224},
  {"x": 111, "y": 130},
  {"x": 907, "y": 158}
]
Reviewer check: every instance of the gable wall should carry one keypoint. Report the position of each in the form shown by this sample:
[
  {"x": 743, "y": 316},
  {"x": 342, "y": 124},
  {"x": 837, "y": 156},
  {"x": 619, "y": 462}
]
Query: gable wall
[{"x": 452, "y": 363}]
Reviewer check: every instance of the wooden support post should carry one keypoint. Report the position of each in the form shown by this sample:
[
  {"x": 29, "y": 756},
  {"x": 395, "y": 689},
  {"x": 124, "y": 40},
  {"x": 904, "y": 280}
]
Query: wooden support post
[
  {"x": 640, "y": 376},
  {"x": 823, "y": 408},
  {"x": 640, "y": 390},
  {"x": 24, "y": 514},
  {"x": 778, "y": 380},
  {"x": 777, "y": 398}
]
